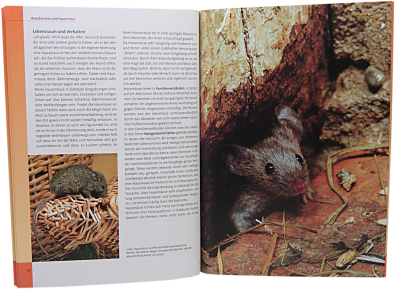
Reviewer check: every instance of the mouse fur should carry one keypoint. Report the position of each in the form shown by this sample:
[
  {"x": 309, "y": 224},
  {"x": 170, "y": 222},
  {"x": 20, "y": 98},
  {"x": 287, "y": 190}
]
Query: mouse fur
[{"x": 274, "y": 169}]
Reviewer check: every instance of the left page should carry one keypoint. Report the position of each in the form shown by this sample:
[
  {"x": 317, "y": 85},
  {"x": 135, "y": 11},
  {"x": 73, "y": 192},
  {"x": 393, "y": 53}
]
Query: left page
[{"x": 106, "y": 105}]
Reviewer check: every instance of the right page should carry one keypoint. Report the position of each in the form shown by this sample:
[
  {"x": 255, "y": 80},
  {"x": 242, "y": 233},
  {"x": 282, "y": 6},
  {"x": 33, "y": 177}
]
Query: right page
[{"x": 295, "y": 128}]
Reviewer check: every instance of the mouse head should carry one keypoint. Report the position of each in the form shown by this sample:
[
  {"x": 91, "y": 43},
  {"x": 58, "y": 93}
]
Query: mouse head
[
  {"x": 100, "y": 185},
  {"x": 276, "y": 165}
]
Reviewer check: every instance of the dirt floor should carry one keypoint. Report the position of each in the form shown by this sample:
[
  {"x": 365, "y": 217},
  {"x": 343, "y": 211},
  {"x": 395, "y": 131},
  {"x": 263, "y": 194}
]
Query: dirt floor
[{"x": 247, "y": 255}]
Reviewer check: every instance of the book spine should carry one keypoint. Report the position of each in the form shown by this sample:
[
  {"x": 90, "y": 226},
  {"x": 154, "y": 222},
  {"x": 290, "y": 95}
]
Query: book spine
[{"x": 14, "y": 73}]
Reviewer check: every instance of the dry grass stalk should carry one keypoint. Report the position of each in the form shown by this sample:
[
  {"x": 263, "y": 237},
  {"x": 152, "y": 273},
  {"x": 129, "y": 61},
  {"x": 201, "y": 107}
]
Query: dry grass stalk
[
  {"x": 329, "y": 255},
  {"x": 377, "y": 163},
  {"x": 332, "y": 218},
  {"x": 339, "y": 272},
  {"x": 284, "y": 223},
  {"x": 238, "y": 235},
  {"x": 204, "y": 253},
  {"x": 379, "y": 171},
  {"x": 220, "y": 263},
  {"x": 270, "y": 254}
]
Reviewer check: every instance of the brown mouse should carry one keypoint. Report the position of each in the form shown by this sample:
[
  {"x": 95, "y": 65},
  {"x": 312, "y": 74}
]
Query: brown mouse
[
  {"x": 274, "y": 169},
  {"x": 74, "y": 180}
]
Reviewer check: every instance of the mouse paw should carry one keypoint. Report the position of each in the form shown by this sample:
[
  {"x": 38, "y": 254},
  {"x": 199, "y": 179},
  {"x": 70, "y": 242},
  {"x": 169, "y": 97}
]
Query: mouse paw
[{"x": 307, "y": 195}]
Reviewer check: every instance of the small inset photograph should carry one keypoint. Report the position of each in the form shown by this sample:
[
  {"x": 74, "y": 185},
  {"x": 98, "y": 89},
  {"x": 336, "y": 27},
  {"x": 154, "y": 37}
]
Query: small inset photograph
[{"x": 73, "y": 206}]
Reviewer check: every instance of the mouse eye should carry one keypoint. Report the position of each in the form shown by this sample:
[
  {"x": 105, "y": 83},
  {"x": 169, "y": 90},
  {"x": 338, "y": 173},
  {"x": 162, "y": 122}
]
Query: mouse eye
[
  {"x": 299, "y": 158},
  {"x": 269, "y": 168},
  {"x": 103, "y": 187}
]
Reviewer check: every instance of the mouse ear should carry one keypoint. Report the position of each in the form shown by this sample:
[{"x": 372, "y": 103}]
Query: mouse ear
[
  {"x": 237, "y": 158},
  {"x": 288, "y": 118},
  {"x": 95, "y": 177}
]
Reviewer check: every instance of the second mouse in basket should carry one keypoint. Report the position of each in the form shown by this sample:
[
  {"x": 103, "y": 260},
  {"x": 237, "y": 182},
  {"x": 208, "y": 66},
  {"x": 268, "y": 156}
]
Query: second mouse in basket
[
  {"x": 74, "y": 180},
  {"x": 79, "y": 179}
]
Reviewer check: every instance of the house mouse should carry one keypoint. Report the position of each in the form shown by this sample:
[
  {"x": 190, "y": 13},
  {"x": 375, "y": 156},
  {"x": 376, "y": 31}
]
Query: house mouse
[
  {"x": 274, "y": 169},
  {"x": 74, "y": 180}
]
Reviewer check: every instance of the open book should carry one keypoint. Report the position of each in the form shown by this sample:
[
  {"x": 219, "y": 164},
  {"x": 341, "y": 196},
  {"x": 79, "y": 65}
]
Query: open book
[{"x": 174, "y": 142}]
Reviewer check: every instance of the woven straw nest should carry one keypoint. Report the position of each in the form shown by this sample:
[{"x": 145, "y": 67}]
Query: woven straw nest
[{"x": 64, "y": 223}]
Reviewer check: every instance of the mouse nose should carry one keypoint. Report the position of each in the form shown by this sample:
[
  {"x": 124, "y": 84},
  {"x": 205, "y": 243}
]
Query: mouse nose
[{"x": 299, "y": 186}]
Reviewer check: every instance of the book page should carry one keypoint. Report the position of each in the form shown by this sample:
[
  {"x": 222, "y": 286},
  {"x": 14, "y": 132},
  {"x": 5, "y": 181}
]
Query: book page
[
  {"x": 295, "y": 130},
  {"x": 117, "y": 91}
]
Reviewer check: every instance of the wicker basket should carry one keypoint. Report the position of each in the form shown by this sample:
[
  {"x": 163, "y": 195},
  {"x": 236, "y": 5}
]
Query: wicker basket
[{"x": 64, "y": 223}]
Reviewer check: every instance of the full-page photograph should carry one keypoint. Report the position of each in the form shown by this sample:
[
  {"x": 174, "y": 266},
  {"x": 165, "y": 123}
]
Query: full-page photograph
[{"x": 295, "y": 129}]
